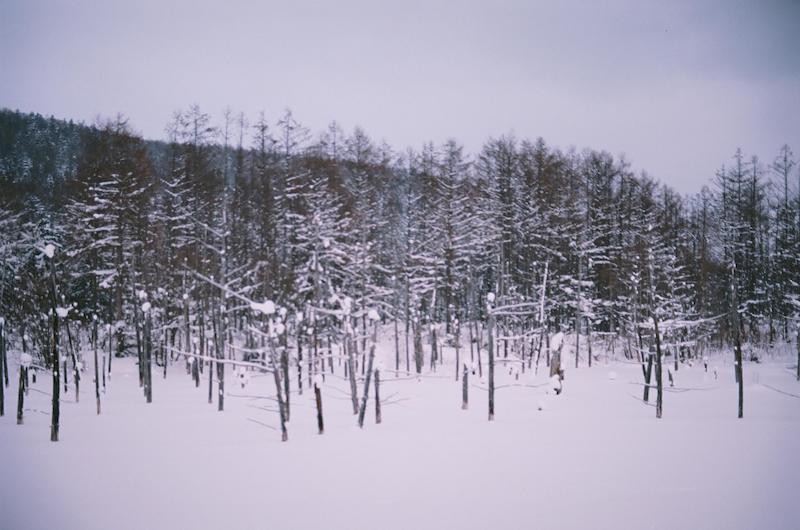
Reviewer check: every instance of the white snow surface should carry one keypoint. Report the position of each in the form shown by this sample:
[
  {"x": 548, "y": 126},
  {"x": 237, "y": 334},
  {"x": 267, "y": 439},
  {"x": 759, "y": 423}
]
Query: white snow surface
[
  {"x": 596, "y": 458},
  {"x": 49, "y": 250},
  {"x": 267, "y": 307},
  {"x": 556, "y": 341}
]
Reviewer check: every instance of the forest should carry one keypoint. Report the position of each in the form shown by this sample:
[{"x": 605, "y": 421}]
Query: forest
[{"x": 259, "y": 245}]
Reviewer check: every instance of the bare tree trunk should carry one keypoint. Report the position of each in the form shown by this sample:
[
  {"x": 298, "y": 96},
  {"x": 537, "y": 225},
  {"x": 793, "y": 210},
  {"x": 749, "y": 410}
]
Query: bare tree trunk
[
  {"x": 285, "y": 368},
  {"x": 378, "y": 418},
  {"x": 737, "y": 341},
  {"x": 54, "y": 415},
  {"x": 578, "y": 312},
  {"x": 3, "y": 360},
  {"x": 659, "y": 375},
  {"x": 458, "y": 346},
  {"x": 281, "y": 409},
  {"x": 396, "y": 347},
  {"x": 478, "y": 349},
  {"x": 210, "y": 368},
  {"x": 647, "y": 373},
  {"x": 96, "y": 367},
  {"x": 73, "y": 356},
  {"x": 2, "y": 363},
  {"x": 465, "y": 389},
  {"x": 370, "y": 361},
  {"x": 434, "y": 347},
  {"x": 219, "y": 342},
  {"x": 299, "y": 360},
  {"x": 139, "y": 349},
  {"x": 589, "y": 340},
  {"x": 490, "y": 331},
  {"x": 148, "y": 358},
  {"x": 418, "y": 352},
  {"x": 110, "y": 355},
  {"x": 23, "y": 376},
  {"x": 351, "y": 372},
  {"x": 164, "y": 352},
  {"x": 318, "y": 399}
]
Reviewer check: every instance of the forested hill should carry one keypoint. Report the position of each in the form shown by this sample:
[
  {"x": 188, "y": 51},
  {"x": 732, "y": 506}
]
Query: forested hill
[{"x": 274, "y": 212}]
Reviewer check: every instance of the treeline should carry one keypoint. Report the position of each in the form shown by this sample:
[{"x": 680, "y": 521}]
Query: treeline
[{"x": 266, "y": 210}]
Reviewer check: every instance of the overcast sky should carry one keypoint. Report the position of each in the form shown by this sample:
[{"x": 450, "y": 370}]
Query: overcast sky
[{"x": 674, "y": 85}]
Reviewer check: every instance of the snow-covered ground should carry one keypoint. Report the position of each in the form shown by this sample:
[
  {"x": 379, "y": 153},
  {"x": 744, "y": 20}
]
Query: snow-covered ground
[{"x": 593, "y": 457}]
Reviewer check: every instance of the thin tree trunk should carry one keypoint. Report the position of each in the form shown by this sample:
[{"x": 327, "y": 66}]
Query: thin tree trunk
[
  {"x": 458, "y": 347},
  {"x": 351, "y": 372},
  {"x": 210, "y": 368},
  {"x": 478, "y": 349},
  {"x": 281, "y": 409},
  {"x": 54, "y": 415},
  {"x": 396, "y": 347},
  {"x": 285, "y": 367},
  {"x": 418, "y": 352},
  {"x": 490, "y": 331},
  {"x": 465, "y": 389},
  {"x": 96, "y": 367},
  {"x": 737, "y": 341},
  {"x": 659, "y": 374},
  {"x": 362, "y": 411},
  {"x": 647, "y": 372},
  {"x": 318, "y": 399},
  {"x": 148, "y": 358},
  {"x": 299, "y": 360},
  {"x": 110, "y": 354},
  {"x": 3, "y": 360},
  {"x": 73, "y": 356},
  {"x": 219, "y": 341},
  {"x": 578, "y": 313},
  {"x": 378, "y": 418},
  {"x": 2, "y": 363},
  {"x": 23, "y": 376}
]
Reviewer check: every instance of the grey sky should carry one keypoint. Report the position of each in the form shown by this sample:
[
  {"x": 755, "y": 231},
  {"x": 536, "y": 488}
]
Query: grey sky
[{"x": 675, "y": 85}]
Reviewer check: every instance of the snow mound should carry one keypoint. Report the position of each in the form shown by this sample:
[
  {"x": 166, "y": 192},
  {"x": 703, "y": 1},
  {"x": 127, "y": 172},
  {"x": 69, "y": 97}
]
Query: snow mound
[
  {"x": 267, "y": 307},
  {"x": 49, "y": 250}
]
